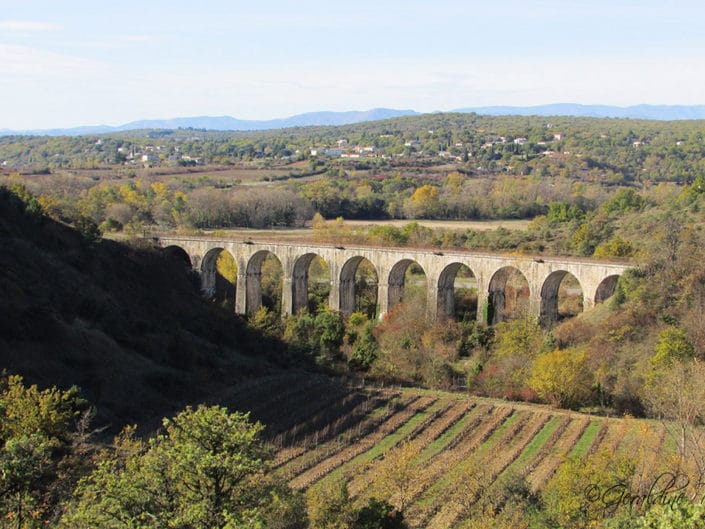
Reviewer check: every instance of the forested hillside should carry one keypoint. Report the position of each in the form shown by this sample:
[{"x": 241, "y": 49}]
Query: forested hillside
[{"x": 121, "y": 321}]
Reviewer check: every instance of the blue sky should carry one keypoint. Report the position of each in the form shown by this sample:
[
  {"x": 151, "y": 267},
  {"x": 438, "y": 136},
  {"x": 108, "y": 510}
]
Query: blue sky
[{"x": 67, "y": 63}]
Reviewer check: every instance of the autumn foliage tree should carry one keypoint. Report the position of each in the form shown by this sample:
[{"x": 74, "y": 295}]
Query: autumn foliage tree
[
  {"x": 423, "y": 203},
  {"x": 562, "y": 377}
]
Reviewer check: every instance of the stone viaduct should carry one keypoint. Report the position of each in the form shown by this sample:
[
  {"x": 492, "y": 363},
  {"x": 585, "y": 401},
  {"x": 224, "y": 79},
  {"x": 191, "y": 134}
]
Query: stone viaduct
[{"x": 491, "y": 271}]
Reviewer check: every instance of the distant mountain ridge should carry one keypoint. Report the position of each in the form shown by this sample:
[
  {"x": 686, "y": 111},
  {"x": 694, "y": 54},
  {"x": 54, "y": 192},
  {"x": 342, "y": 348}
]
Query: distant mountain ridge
[{"x": 227, "y": 123}]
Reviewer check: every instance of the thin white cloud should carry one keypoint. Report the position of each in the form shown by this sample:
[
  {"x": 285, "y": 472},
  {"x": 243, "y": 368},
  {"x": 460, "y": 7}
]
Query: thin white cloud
[
  {"x": 31, "y": 63},
  {"x": 27, "y": 25}
]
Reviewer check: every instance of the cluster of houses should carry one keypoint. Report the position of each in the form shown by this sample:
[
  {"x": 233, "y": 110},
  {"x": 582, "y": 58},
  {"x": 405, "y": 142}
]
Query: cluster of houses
[
  {"x": 154, "y": 154},
  {"x": 343, "y": 150},
  {"x": 458, "y": 152}
]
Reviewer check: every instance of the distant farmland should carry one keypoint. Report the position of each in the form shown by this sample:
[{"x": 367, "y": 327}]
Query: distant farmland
[{"x": 307, "y": 232}]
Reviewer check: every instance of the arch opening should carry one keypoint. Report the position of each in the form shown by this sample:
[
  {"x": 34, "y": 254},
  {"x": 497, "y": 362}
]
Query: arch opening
[
  {"x": 179, "y": 255},
  {"x": 310, "y": 284},
  {"x": 407, "y": 284},
  {"x": 561, "y": 297},
  {"x": 219, "y": 277},
  {"x": 606, "y": 288},
  {"x": 457, "y": 293},
  {"x": 264, "y": 279},
  {"x": 508, "y": 296},
  {"x": 358, "y": 287}
]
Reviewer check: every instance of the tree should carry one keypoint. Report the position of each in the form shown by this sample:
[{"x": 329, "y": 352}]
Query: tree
[
  {"x": 676, "y": 393},
  {"x": 681, "y": 515},
  {"x": 378, "y": 514},
  {"x": 397, "y": 474},
  {"x": 455, "y": 180},
  {"x": 573, "y": 496},
  {"x": 266, "y": 322},
  {"x": 364, "y": 350},
  {"x": 36, "y": 428},
  {"x": 516, "y": 344},
  {"x": 318, "y": 337},
  {"x": 475, "y": 475},
  {"x": 562, "y": 377},
  {"x": 329, "y": 331},
  {"x": 330, "y": 508},
  {"x": 209, "y": 469},
  {"x": 615, "y": 247},
  {"x": 424, "y": 202},
  {"x": 673, "y": 346},
  {"x": 623, "y": 201}
]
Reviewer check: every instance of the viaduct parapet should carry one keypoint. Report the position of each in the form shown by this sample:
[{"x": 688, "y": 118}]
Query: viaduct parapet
[{"x": 491, "y": 271}]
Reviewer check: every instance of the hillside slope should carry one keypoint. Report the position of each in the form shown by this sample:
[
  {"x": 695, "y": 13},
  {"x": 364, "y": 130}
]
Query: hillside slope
[
  {"x": 442, "y": 455},
  {"x": 123, "y": 322}
]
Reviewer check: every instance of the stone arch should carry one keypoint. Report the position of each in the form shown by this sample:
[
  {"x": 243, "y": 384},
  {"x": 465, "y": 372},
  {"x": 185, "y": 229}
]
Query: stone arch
[
  {"x": 209, "y": 272},
  {"x": 255, "y": 295},
  {"x": 606, "y": 288},
  {"x": 351, "y": 285},
  {"x": 178, "y": 254},
  {"x": 301, "y": 284},
  {"x": 397, "y": 281},
  {"x": 555, "y": 292},
  {"x": 508, "y": 295},
  {"x": 447, "y": 292}
]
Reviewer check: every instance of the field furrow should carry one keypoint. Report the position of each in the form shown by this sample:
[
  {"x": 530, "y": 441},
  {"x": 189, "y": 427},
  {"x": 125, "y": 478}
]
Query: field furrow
[
  {"x": 349, "y": 457},
  {"x": 458, "y": 431},
  {"x": 517, "y": 441},
  {"x": 257, "y": 389},
  {"x": 612, "y": 438},
  {"x": 541, "y": 445},
  {"x": 435, "y": 426},
  {"x": 381, "y": 412},
  {"x": 545, "y": 470},
  {"x": 452, "y": 416},
  {"x": 460, "y": 449},
  {"x": 434, "y": 485},
  {"x": 341, "y": 417},
  {"x": 586, "y": 440},
  {"x": 328, "y": 422},
  {"x": 275, "y": 405},
  {"x": 487, "y": 420},
  {"x": 306, "y": 402},
  {"x": 599, "y": 437}
]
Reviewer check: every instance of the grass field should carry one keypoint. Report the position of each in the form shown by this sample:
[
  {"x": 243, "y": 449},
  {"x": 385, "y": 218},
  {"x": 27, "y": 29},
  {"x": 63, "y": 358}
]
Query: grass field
[{"x": 306, "y": 232}]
